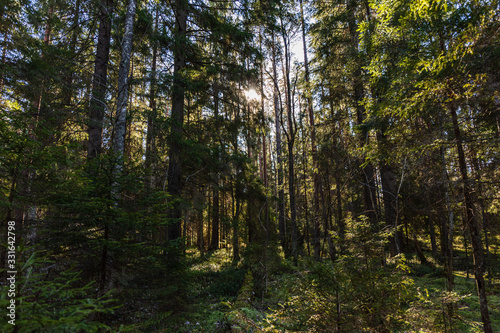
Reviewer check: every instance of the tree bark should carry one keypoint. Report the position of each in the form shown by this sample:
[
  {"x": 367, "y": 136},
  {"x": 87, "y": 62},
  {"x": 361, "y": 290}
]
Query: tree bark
[
  {"x": 120, "y": 129},
  {"x": 327, "y": 216},
  {"x": 99, "y": 84},
  {"x": 484, "y": 213},
  {"x": 199, "y": 239},
  {"x": 38, "y": 130},
  {"x": 368, "y": 173},
  {"x": 389, "y": 195},
  {"x": 214, "y": 245},
  {"x": 68, "y": 81},
  {"x": 447, "y": 230},
  {"x": 236, "y": 218},
  {"x": 310, "y": 112},
  {"x": 339, "y": 217},
  {"x": 266, "y": 224},
  {"x": 432, "y": 235},
  {"x": 472, "y": 224},
  {"x": 175, "y": 166},
  {"x": 279, "y": 158},
  {"x": 150, "y": 162},
  {"x": 290, "y": 144},
  {"x": 4, "y": 59}
]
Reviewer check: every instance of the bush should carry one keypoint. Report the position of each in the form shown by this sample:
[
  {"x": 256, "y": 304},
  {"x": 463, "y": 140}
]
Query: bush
[
  {"x": 226, "y": 283},
  {"x": 356, "y": 293},
  {"x": 49, "y": 303}
]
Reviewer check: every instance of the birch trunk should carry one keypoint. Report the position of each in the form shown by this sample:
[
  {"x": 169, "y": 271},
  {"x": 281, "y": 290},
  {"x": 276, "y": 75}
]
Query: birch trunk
[
  {"x": 119, "y": 131},
  {"x": 122, "y": 100}
]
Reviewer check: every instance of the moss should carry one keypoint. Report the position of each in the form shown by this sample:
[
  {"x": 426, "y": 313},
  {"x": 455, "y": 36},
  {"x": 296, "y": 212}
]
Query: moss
[
  {"x": 246, "y": 292},
  {"x": 244, "y": 316}
]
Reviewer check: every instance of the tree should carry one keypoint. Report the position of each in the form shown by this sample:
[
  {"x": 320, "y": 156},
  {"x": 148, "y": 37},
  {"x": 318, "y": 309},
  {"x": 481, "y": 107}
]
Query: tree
[
  {"x": 175, "y": 167},
  {"x": 290, "y": 133},
  {"x": 437, "y": 69},
  {"x": 99, "y": 82},
  {"x": 122, "y": 100},
  {"x": 310, "y": 111}
]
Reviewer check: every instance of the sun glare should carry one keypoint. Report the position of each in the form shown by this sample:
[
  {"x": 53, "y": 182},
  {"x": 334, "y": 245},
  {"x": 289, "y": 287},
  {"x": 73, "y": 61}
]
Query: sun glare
[{"x": 251, "y": 95}]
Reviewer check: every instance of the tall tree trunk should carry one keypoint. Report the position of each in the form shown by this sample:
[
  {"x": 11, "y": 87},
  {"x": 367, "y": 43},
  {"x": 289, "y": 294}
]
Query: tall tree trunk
[
  {"x": 338, "y": 189},
  {"x": 236, "y": 218},
  {"x": 367, "y": 170},
  {"x": 449, "y": 226},
  {"x": 447, "y": 229},
  {"x": 99, "y": 84},
  {"x": 327, "y": 216},
  {"x": 339, "y": 218},
  {"x": 290, "y": 143},
  {"x": 279, "y": 158},
  {"x": 305, "y": 203},
  {"x": 310, "y": 112},
  {"x": 432, "y": 234},
  {"x": 37, "y": 132},
  {"x": 120, "y": 128},
  {"x": 175, "y": 167},
  {"x": 484, "y": 213},
  {"x": 447, "y": 222},
  {"x": 150, "y": 162},
  {"x": 209, "y": 216},
  {"x": 237, "y": 191},
  {"x": 266, "y": 224},
  {"x": 4, "y": 60},
  {"x": 199, "y": 238},
  {"x": 68, "y": 82},
  {"x": 214, "y": 245},
  {"x": 477, "y": 247},
  {"x": 389, "y": 195}
]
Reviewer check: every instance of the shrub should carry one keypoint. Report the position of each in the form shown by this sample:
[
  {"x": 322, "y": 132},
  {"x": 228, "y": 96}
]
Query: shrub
[
  {"x": 49, "y": 303},
  {"x": 356, "y": 293}
]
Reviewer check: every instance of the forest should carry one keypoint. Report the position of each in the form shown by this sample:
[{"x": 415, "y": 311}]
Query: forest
[{"x": 250, "y": 166}]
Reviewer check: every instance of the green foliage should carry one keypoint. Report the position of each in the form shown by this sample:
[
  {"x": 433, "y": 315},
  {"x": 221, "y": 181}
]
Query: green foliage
[
  {"x": 435, "y": 309},
  {"x": 245, "y": 320},
  {"x": 355, "y": 293},
  {"x": 427, "y": 270},
  {"x": 224, "y": 283},
  {"x": 212, "y": 284},
  {"x": 381, "y": 67},
  {"x": 243, "y": 316},
  {"x": 245, "y": 293},
  {"x": 51, "y": 301}
]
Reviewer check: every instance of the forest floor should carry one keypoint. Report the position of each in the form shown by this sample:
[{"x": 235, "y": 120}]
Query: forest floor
[{"x": 214, "y": 283}]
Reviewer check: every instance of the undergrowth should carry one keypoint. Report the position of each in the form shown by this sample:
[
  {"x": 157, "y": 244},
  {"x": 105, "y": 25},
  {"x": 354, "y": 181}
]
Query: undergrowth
[{"x": 353, "y": 294}]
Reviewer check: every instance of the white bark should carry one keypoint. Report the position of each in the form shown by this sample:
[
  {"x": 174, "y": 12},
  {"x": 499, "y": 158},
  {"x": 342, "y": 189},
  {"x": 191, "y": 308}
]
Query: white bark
[{"x": 121, "y": 109}]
